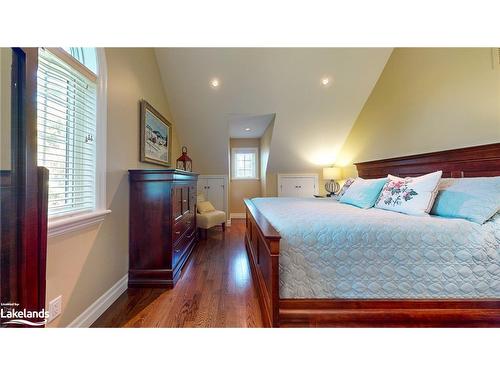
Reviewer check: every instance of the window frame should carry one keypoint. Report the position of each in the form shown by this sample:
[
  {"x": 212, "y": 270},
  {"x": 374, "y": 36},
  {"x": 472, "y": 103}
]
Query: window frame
[
  {"x": 245, "y": 150},
  {"x": 70, "y": 222}
]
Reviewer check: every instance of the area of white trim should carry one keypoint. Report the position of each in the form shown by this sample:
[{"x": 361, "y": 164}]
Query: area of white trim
[
  {"x": 298, "y": 174},
  {"x": 94, "y": 311},
  {"x": 238, "y": 215},
  {"x": 101, "y": 128},
  {"x": 58, "y": 227}
]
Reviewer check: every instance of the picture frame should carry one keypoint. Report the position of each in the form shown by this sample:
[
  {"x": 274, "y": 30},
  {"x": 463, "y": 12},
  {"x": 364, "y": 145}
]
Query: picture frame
[{"x": 156, "y": 136}]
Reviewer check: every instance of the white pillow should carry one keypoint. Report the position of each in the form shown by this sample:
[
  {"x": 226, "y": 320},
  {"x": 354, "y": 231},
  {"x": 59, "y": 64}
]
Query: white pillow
[{"x": 410, "y": 195}]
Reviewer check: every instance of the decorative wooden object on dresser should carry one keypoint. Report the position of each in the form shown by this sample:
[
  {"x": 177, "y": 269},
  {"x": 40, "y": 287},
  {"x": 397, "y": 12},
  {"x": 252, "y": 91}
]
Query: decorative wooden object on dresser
[{"x": 162, "y": 225}]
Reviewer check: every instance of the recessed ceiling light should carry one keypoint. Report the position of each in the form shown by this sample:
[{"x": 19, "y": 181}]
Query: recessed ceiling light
[
  {"x": 214, "y": 82},
  {"x": 325, "y": 81},
  {"x": 247, "y": 129}
]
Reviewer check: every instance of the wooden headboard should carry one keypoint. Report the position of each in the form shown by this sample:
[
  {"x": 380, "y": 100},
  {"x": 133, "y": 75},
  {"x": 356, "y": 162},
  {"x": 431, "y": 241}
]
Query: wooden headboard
[{"x": 477, "y": 161}]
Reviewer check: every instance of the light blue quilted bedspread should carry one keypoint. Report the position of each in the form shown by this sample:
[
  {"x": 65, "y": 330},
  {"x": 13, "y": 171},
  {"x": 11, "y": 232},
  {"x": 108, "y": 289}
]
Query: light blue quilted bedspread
[{"x": 334, "y": 250}]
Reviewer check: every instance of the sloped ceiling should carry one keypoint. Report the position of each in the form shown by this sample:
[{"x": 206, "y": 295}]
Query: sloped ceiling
[
  {"x": 245, "y": 126},
  {"x": 312, "y": 120}
]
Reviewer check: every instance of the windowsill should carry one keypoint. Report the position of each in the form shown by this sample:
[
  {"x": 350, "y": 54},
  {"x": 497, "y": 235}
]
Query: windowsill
[
  {"x": 245, "y": 179},
  {"x": 60, "y": 226}
]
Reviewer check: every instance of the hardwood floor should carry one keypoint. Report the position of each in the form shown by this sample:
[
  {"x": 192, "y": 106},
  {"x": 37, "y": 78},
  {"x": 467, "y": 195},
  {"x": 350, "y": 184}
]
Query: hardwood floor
[{"x": 215, "y": 290}]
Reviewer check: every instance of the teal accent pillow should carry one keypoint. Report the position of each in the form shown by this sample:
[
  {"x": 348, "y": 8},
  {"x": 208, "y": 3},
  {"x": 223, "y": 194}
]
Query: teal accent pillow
[
  {"x": 363, "y": 193},
  {"x": 475, "y": 199}
]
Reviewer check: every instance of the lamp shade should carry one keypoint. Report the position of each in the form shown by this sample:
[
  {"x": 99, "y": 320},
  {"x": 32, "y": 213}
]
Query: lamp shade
[{"x": 332, "y": 173}]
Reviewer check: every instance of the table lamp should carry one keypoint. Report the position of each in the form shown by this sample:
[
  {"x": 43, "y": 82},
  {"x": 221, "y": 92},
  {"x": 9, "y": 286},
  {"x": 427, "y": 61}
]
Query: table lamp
[{"x": 332, "y": 174}]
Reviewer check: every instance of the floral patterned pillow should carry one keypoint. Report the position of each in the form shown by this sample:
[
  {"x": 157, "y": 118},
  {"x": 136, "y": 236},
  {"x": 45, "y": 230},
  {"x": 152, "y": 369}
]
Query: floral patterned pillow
[
  {"x": 346, "y": 185},
  {"x": 411, "y": 195}
]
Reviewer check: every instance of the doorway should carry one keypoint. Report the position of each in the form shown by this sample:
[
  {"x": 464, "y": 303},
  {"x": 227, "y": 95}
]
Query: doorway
[{"x": 23, "y": 194}]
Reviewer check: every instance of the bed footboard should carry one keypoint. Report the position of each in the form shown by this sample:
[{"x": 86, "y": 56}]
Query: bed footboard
[{"x": 262, "y": 244}]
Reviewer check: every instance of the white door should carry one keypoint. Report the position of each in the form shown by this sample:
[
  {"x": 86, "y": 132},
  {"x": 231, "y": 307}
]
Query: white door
[
  {"x": 216, "y": 192},
  {"x": 297, "y": 186},
  {"x": 307, "y": 187},
  {"x": 202, "y": 186},
  {"x": 214, "y": 188},
  {"x": 289, "y": 187}
]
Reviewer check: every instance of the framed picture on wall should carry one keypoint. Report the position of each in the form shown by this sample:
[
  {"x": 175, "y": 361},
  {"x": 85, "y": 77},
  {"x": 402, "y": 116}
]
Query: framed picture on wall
[{"x": 156, "y": 135}]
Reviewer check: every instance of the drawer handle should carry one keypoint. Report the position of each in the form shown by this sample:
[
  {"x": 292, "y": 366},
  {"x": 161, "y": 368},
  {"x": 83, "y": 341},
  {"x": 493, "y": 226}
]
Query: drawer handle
[{"x": 184, "y": 200}]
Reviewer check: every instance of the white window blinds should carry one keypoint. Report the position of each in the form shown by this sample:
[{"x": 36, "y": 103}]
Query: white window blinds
[{"x": 67, "y": 133}]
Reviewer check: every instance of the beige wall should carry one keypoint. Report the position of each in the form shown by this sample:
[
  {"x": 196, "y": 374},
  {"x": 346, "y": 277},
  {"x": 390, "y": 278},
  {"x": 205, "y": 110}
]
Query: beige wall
[
  {"x": 241, "y": 189},
  {"x": 428, "y": 99},
  {"x": 83, "y": 265},
  {"x": 268, "y": 179},
  {"x": 265, "y": 149}
]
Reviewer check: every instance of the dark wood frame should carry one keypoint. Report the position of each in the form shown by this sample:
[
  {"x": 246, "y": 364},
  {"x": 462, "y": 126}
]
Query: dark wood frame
[
  {"x": 262, "y": 243},
  {"x": 145, "y": 106},
  {"x": 27, "y": 187}
]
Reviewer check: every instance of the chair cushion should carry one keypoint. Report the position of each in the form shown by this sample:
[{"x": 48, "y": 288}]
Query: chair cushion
[
  {"x": 210, "y": 219},
  {"x": 205, "y": 206}
]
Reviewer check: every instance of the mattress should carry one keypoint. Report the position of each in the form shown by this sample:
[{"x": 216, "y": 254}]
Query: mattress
[{"x": 333, "y": 250}]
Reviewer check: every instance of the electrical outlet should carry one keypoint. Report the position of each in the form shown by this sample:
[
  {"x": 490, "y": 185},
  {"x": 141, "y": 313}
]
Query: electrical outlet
[{"x": 55, "y": 308}]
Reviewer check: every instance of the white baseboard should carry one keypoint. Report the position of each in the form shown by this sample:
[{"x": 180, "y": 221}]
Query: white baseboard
[
  {"x": 238, "y": 215},
  {"x": 94, "y": 311}
]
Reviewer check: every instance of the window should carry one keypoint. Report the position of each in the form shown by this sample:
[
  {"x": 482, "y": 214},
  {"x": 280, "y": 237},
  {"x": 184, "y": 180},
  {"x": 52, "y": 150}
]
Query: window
[
  {"x": 245, "y": 163},
  {"x": 71, "y": 131},
  {"x": 86, "y": 56}
]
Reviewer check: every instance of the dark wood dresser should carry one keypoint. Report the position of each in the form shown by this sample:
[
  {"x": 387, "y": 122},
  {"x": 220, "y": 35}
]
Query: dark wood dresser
[{"x": 162, "y": 225}]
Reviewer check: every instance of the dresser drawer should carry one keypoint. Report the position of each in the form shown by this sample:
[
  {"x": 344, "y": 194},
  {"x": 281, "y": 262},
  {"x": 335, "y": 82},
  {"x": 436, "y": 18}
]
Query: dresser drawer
[
  {"x": 178, "y": 231},
  {"x": 181, "y": 226},
  {"x": 189, "y": 219},
  {"x": 182, "y": 245}
]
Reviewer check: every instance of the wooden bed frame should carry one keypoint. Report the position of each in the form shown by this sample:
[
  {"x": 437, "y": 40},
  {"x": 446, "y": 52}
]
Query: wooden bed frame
[{"x": 263, "y": 246}]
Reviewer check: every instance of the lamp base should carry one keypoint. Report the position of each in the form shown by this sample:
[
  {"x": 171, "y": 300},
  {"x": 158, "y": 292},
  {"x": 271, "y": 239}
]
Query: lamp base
[{"x": 332, "y": 187}]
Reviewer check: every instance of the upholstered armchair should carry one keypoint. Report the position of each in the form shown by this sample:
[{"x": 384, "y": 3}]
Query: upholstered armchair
[{"x": 207, "y": 216}]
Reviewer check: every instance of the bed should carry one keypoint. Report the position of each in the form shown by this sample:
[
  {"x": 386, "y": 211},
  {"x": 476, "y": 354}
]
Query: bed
[{"x": 317, "y": 262}]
